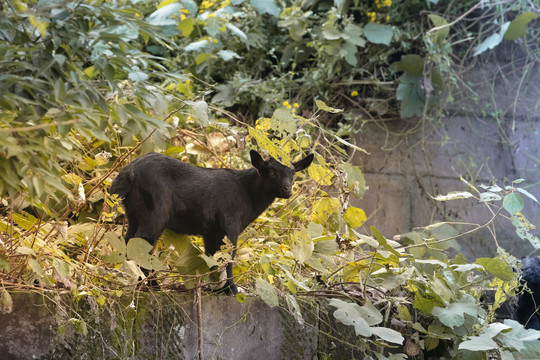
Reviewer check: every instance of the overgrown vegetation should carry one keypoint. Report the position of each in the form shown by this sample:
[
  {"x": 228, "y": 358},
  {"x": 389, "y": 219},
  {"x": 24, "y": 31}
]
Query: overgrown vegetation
[{"x": 87, "y": 86}]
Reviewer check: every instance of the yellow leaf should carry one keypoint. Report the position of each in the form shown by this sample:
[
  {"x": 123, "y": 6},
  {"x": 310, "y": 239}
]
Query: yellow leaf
[
  {"x": 322, "y": 175},
  {"x": 323, "y": 209},
  {"x": 39, "y": 24},
  {"x": 72, "y": 179},
  {"x": 354, "y": 216}
]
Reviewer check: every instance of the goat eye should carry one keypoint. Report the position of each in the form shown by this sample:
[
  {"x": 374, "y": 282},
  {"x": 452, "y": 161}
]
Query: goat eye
[{"x": 271, "y": 173}]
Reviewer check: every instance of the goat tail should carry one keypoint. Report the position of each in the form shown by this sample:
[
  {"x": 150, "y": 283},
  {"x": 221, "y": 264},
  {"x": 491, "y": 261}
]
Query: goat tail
[{"x": 121, "y": 185}]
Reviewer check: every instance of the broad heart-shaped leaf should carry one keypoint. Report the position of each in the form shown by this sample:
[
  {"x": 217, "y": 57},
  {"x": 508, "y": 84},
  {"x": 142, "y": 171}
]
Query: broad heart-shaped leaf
[
  {"x": 354, "y": 217},
  {"x": 320, "y": 174},
  {"x": 478, "y": 343},
  {"x": 513, "y": 203},
  {"x": 228, "y": 55},
  {"x": 519, "y": 338},
  {"x": 355, "y": 179},
  {"x": 492, "y": 41},
  {"x": 378, "y": 34},
  {"x": 283, "y": 122},
  {"x": 350, "y": 314},
  {"x": 454, "y": 314},
  {"x": 164, "y": 12},
  {"x": 392, "y": 336},
  {"x": 266, "y": 6},
  {"x": 518, "y": 26},
  {"x": 410, "y": 64},
  {"x": 497, "y": 267},
  {"x": 411, "y": 96},
  {"x": 522, "y": 230},
  {"x": 440, "y": 34},
  {"x": 302, "y": 245},
  {"x": 139, "y": 250},
  {"x": 267, "y": 292},
  {"x": 200, "y": 110}
]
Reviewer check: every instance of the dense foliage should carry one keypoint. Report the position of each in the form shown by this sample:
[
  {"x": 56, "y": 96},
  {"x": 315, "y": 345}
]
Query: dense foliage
[{"x": 85, "y": 86}]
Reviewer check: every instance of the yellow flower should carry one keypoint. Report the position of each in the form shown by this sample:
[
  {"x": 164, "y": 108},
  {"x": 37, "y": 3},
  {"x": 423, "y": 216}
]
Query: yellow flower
[
  {"x": 286, "y": 104},
  {"x": 183, "y": 17},
  {"x": 296, "y": 105},
  {"x": 372, "y": 16},
  {"x": 354, "y": 93}
]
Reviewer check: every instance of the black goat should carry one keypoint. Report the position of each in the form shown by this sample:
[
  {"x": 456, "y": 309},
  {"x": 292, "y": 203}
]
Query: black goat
[
  {"x": 528, "y": 310},
  {"x": 161, "y": 192}
]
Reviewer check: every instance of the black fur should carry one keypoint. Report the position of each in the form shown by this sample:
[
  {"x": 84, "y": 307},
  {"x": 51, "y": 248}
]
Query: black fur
[
  {"x": 161, "y": 192},
  {"x": 528, "y": 309}
]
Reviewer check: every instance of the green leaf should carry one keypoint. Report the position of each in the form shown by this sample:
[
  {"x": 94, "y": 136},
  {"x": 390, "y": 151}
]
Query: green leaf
[
  {"x": 241, "y": 297},
  {"x": 378, "y": 34},
  {"x": 266, "y": 7},
  {"x": 294, "y": 309},
  {"x": 267, "y": 292},
  {"x": 139, "y": 250},
  {"x": 200, "y": 110},
  {"x": 528, "y": 194},
  {"x": 513, "y": 203},
  {"x": 351, "y": 314},
  {"x": 236, "y": 31},
  {"x": 321, "y": 105},
  {"x": 389, "y": 335},
  {"x": 489, "y": 196},
  {"x": 325, "y": 247},
  {"x": 137, "y": 76},
  {"x": 438, "y": 21},
  {"x": 355, "y": 179},
  {"x": 518, "y": 26},
  {"x": 492, "y": 41},
  {"x": 454, "y": 314},
  {"x": 186, "y": 27},
  {"x": 478, "y": 343},
  {"x": 411, "y": 96},
  {"x": 228, "y": 55},
  {"x": 498, "y": 267},
  {"x": 426, "y": 302},
  {"x": 410, "y": 64},
  {"x": 382, "y": 240},
  {"x": 283, "y": 122}
]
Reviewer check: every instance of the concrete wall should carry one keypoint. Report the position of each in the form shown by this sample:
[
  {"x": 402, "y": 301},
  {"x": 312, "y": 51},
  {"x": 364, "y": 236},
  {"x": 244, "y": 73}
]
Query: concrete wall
[
  {"x": 154, "y": 326},
  {"x": 147, "y": 325},
  {"x": 491, "y": 136}
]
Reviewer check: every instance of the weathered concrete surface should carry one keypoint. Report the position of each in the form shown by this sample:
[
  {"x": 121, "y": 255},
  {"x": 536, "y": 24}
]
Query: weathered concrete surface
[
  {"x": 493, "y": 136},
  {"x": 154, "y": 326}
]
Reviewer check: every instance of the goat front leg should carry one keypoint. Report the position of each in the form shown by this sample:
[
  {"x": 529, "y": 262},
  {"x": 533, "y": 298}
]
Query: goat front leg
[{"x": 211, "y": 245}]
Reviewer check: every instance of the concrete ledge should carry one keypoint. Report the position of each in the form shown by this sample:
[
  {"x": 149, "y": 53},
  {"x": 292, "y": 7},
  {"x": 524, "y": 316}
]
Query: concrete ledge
[{"x": 154, "y": 326}]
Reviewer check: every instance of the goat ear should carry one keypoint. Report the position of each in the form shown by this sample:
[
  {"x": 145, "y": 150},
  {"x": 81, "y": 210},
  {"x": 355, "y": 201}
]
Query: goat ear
[
  {"x": 304, "y": 163},
  {"x": 256, "y": 160}
]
